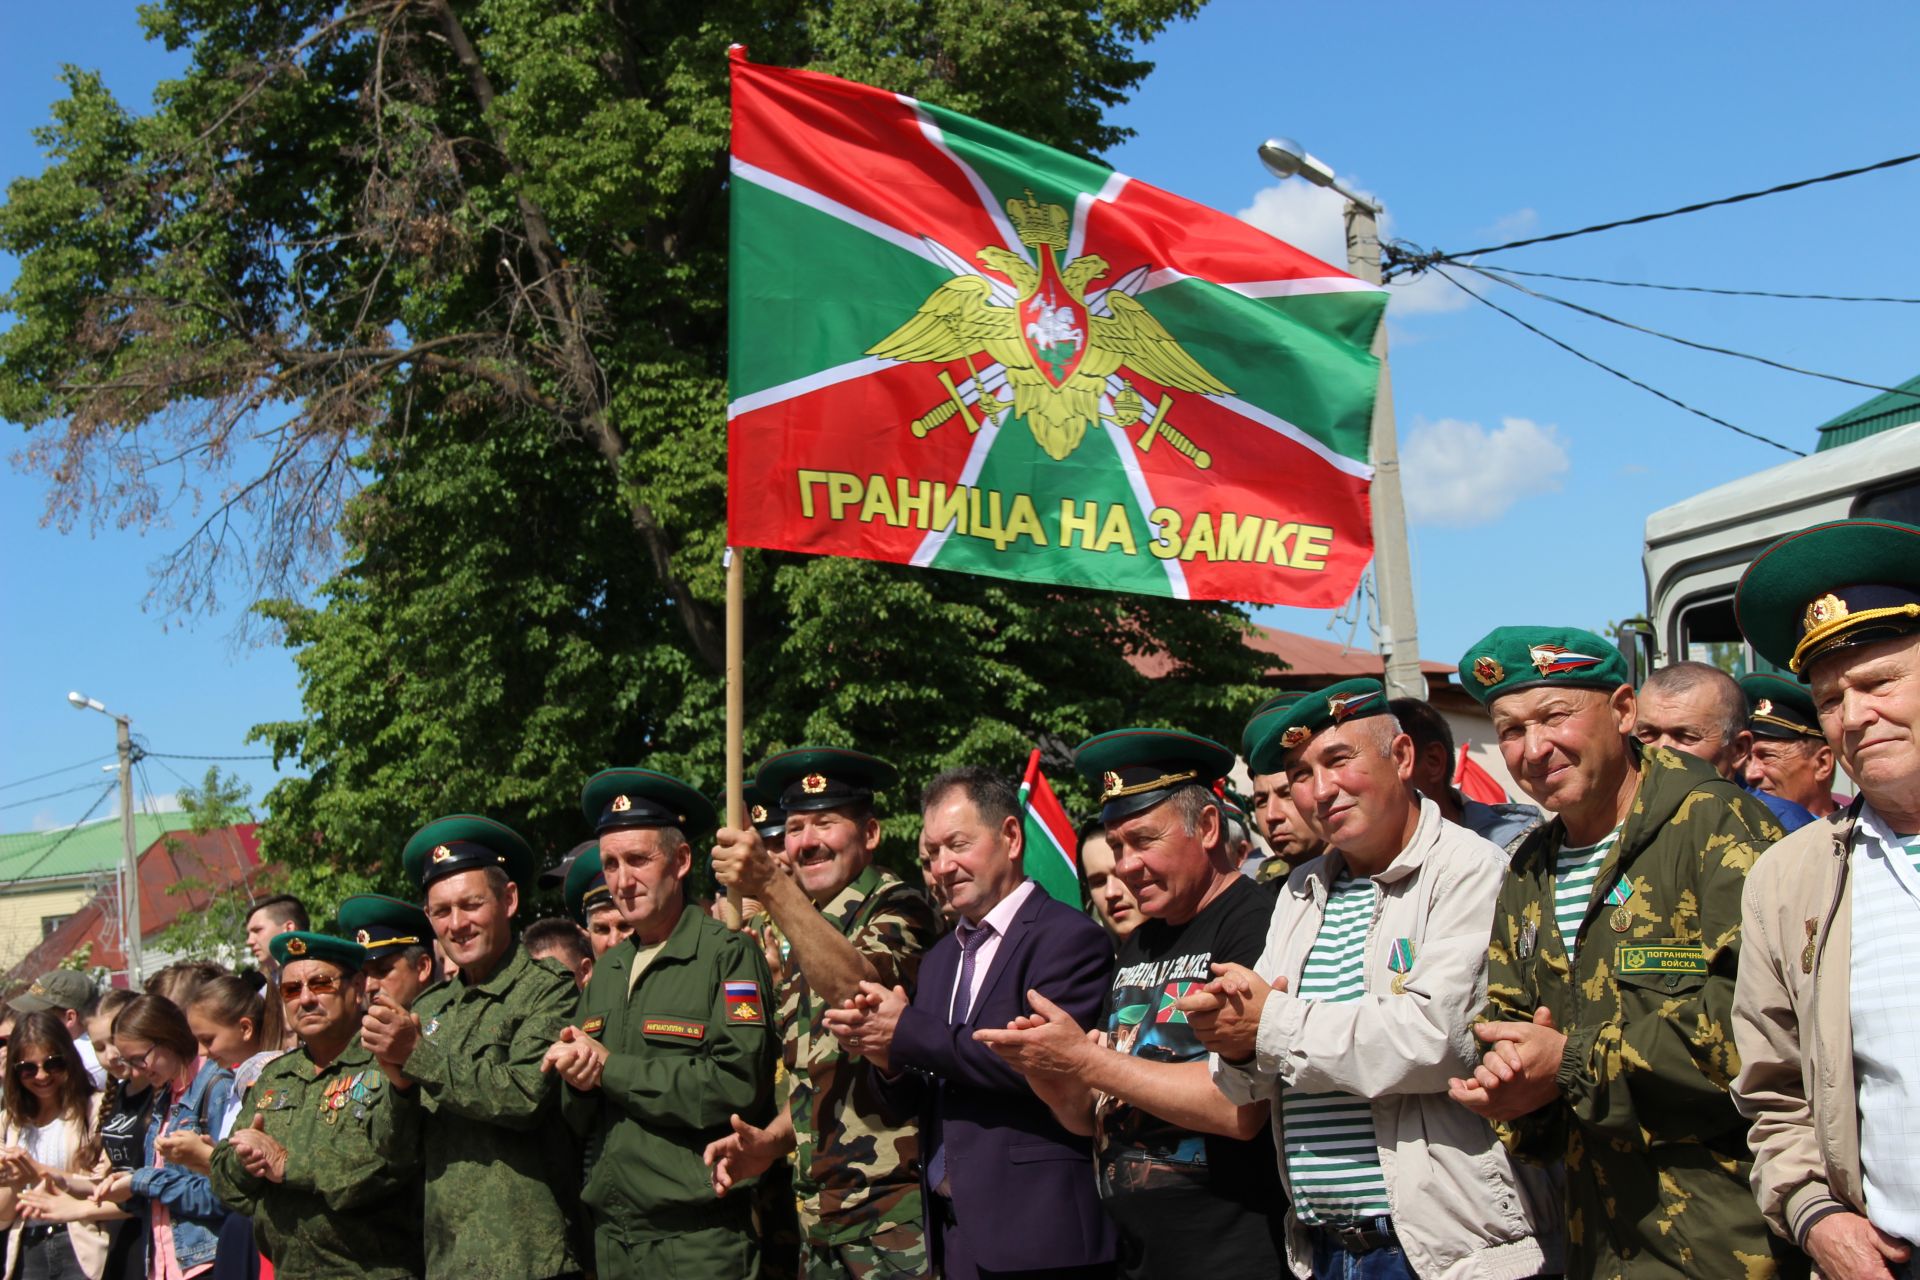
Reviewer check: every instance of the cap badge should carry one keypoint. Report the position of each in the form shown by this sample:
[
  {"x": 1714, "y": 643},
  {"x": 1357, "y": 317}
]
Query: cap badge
[
  {"x": 1764, "y": 707},
  {"x": 620, "y": 804},
  {"x": 1295, "y": 736},
  {"x": 1110, "y": 785},
  {"x": 363, "y": 937},
  {"x": 441, "y": 853},
  {"x": 1488, "y": 671},
  {"x": 757, "y": 814},
  {"x": 1554, "y": 660},
  {"x": 814, "y": 784},
  {"x": 1348, "y": 705},
  {"x": 1828, "y": 608},
  {"x": 296, "y": 947}
]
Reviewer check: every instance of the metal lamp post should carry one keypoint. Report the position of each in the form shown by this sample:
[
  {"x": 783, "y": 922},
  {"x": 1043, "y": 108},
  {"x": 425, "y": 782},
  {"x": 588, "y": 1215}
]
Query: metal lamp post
[
  {"x": 130, "y": 868},
  {"x": 1393, "y": 566}
]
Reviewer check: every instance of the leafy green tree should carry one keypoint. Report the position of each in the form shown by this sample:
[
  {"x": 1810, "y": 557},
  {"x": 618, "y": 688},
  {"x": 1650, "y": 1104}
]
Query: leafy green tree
[{"x": 427, "y": 299}]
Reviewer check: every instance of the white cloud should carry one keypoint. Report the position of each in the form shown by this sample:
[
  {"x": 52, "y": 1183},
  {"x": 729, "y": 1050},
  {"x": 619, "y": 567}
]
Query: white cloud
[
  {"x": 1512, "y": 226},
  {"x": 1312, "y": 219},
  {"x": 1460, "y": 474}
]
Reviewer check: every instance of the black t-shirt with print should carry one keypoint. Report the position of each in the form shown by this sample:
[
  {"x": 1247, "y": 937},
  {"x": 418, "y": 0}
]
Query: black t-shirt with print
[{"x": 1186, "y": 1203}]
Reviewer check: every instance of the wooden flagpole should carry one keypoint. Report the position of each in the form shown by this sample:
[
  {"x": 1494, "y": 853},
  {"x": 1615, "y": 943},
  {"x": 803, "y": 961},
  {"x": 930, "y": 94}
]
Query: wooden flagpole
[{"x": 736, "y": 713}]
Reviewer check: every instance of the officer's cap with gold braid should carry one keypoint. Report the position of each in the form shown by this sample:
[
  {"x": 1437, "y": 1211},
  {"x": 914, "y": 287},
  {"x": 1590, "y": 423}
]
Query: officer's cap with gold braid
[
  {"x": 466, "y": 842},
  {"x": 809, "y": 779},
  {"x": 1269, "y": 710},
  {"x": 1829, "y": 587},
  {"x": 586, "y": 890},
  {"x": 1136, "y": 769},
  {"x": 765, "y": 813},
  {"x": 383, "y": 925},
  {"x": 1294, "y": 727},
  {"x": 1779, "y": 708},
  {"x": 288, "y": 947},
  {"x": 628, "y": 798},
  {"x": 1510, "y": 659}
]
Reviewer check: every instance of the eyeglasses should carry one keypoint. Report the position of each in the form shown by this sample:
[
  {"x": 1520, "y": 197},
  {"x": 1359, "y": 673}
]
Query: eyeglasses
[
  {"x": 138, "y": 1061},
  {"x": 320, "y": 985},
  {"x": 50, "y": 1067}
]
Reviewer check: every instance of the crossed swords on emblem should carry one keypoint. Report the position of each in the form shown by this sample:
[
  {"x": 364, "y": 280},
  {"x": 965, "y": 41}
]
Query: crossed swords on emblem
[{"x": 1121, "y": 405}]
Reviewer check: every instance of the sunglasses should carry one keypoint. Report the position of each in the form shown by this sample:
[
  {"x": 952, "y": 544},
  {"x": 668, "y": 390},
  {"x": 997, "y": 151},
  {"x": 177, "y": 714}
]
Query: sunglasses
[
  {"x": 319, "y": 986},
  {"x": 50, "y": 1067}
]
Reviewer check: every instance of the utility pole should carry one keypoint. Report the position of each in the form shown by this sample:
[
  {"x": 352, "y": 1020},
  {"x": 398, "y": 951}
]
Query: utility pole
[
  {"x": 1392, "y": 563},
  {"x": 130, "y": 865}
]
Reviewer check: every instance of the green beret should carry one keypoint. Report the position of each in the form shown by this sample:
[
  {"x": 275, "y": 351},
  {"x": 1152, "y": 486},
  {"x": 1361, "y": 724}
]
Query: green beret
[
  {"x": 808, "y": 779},
  {"x": 1136, "y": 769},
  {"x": 1264, "y": 715},
  {"x": 1779, "y": 708},
  {"x": 586, "y": 890},
  {"x": 467, "y": 842},
  {"x": 1830, "y": 586},
  {"x": 625, "y": 799},
  {"x": 1510, "y": 659},
  {"x": 288, "y": 947},
  {"x": 382, "y": 924},
  {"x": 1295, "y": 726}
]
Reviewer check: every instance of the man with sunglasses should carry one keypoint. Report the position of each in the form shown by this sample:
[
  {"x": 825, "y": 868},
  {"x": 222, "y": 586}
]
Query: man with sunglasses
[{"x": 328, "y": 1167}]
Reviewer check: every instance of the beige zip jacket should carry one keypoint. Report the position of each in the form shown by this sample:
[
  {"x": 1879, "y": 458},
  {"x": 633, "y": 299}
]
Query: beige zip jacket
[
  {"x": 1794, "y": 1031},
  {"x": 1462, "y": 1207}
]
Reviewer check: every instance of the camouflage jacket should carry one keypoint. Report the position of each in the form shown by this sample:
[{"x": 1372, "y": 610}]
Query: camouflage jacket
[
  {"x": 342, "y": 1209},
  {"x": 1656, "y": 1156},
  {"x": 502, "y": 1173},
  {"x": 857, "y": 1166}
]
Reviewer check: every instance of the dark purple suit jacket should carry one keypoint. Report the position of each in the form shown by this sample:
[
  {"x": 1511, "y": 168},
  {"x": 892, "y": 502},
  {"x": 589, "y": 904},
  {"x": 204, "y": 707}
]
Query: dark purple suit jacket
[{"x": 1023, "y": 1187}]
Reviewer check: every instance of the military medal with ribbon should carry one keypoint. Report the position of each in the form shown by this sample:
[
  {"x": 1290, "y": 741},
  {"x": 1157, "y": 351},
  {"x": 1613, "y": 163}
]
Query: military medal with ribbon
[
  {"x": 1621, "y": 919},
  {"x": 1400, "y": 960},
  {"x": 1528, "y": 936}
]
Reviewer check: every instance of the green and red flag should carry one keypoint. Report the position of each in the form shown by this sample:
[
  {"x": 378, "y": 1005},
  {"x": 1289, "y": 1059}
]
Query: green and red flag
[
  {"x": 1052, "y": 852},
  {"x": 952, "y": 346}
]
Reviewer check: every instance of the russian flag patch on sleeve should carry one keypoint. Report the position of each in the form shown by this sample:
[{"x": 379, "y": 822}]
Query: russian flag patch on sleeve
[{"x": 744, "y": 1004}]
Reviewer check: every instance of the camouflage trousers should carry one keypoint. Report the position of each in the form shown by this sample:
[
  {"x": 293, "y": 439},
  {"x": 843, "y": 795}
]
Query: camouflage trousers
[{"x": 892, "y": 1253}]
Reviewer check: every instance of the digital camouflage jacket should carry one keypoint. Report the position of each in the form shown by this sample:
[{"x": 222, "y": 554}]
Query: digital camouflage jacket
[
  {"x": 1656, "y": 1156},
  {"x": 857, "y": 1166},
  {"x": 343, "y": 1210}
]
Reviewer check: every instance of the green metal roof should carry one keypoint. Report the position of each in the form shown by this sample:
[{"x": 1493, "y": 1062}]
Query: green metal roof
[
  {"x": 1884, "y": 412},
  {"x": 78, "y": 851}
]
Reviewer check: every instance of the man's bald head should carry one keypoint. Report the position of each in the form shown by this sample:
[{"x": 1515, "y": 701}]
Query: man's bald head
[{"x": 1697, "y": 709}]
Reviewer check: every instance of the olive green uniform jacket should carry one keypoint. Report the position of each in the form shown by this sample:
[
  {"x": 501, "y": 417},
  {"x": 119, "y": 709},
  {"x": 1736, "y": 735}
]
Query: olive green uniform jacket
[
  {"x": 690, "y": 1045},
  {"x": 1656, "y": 1156},
  {"x": 501, "y": 1170},
  {"x": 343, "y": 1210}
]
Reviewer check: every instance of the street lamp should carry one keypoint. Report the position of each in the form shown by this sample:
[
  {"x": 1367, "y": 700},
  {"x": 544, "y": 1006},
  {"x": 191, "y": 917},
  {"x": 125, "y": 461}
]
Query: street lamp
[
  {"x": 1392, "y": 565},
  {"x": 130, "y": 869}
]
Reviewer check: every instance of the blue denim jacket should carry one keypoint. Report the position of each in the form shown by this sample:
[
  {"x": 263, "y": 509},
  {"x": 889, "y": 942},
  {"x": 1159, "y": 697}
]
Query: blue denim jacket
[{"x": 195, "y": 1213}]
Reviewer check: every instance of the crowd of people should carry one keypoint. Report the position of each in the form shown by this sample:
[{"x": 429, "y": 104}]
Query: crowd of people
[{"x": 1359, "y": 1027}]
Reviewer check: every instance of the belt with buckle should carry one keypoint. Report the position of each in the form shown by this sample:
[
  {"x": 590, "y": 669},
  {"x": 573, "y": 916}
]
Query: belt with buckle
[
  {"x": 35, "y": 1232},
  {"x": 1360, "y": 1235}
]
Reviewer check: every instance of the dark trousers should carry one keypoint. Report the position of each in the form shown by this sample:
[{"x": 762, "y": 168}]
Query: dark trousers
[{"x": 47, "y": 1255}]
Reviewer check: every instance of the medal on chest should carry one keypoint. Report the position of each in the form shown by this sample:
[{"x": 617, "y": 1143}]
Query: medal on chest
[
  {"x": 1400, "y": 961},
  {"x": 1620, "y": 919}
]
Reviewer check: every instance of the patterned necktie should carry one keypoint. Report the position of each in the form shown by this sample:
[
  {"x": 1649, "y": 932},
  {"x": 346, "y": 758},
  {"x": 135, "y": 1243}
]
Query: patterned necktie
[{"x": 970, "y": 938}]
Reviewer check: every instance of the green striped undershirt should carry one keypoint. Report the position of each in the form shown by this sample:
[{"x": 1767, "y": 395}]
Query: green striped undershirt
[
  {"x": 1331, "y": 1150},
  {"x": 1574, "y": 871}
]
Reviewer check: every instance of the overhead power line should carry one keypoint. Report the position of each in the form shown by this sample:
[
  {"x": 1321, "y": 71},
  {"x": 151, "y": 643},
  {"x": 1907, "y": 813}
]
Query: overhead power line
[
  {"x": 51, "y": 795},
  {"x": 67, "y": 768},
  {"x": 66, "y": 835},
  {"x": 170, "y": 755},
  {"x": 1700, "y": 288},
  {"x": 1624, "y": 377},
  {"x": 1399, "y": 257}
]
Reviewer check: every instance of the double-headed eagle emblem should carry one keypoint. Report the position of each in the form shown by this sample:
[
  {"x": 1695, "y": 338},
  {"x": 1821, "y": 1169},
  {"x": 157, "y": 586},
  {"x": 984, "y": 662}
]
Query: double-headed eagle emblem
[{"x": 1054, "y": 351}]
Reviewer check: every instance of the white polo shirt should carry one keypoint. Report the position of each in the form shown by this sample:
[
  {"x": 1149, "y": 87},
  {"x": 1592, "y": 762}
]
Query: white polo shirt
[{"x": 1885, "y": 1003}]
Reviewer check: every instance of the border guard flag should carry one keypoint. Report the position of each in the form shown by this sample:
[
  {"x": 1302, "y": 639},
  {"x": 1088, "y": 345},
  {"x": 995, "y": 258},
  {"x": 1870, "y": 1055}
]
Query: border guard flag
[
  {"x": 952, "y": 346},
  {"x": 1052, "y": 847}
]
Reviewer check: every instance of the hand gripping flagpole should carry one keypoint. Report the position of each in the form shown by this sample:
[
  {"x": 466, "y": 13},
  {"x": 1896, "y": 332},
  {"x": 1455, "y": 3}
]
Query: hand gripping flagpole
[{"x": 736, "y": 714}]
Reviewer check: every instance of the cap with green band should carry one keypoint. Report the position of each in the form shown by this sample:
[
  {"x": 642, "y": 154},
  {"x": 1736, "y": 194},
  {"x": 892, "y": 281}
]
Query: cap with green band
[
  {"x": 1828, "y": 587},
  {"x": 1136, "y": 769},
  {"x": 291, "y": 946}
]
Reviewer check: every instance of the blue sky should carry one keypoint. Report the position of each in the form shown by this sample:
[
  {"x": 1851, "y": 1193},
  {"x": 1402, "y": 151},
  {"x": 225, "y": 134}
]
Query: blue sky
[{"x": 1530, "y": 474}]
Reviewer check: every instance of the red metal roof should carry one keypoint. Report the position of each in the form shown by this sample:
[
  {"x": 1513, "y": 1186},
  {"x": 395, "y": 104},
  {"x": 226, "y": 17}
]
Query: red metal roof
[{"x": 1306, "y": 660}]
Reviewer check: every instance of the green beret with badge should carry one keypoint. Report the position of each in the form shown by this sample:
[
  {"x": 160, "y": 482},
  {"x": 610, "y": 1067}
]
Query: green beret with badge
[
  {"x": 809, "y": 779},
  {"x": 301, "y": 945},
  {"x": 1295, "y": 726},
  {"x": 1510, "y": 659},
  {"x": 1780, "y": 708},
  {"x": 586, "y": 890},
  {"x": 1270, "y": 709},
  {"x": 1136, "y": 769},
  {"x": 625, "y": 799},
  {"x": 1829, "y": 587},
  {"x": 467, "y": 842},
  {"x": 382, "y": 924}
]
